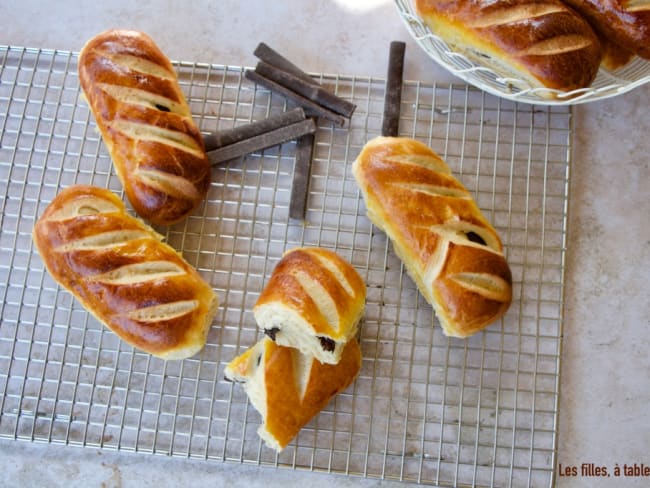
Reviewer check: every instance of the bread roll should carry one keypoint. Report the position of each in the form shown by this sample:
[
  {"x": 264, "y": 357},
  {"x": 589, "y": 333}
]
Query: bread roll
[
  {"x": 289, "y": 388},
  {"x": 122, "y": 273},
  {"x": 614, "y": 56},
  {"x": 313, "y": 301},
  {"x": 146, "y": 124},
  {"x": 546, "y": 44},
  {"x": 626, "y": 23},
  {"x": 450, "y": 250}
]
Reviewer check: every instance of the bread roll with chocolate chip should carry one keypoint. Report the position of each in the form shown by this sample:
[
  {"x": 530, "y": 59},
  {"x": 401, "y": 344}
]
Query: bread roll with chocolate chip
[
  {"x": 313, "y": 301},
  {"x": 289, "y": 388},
  {"x": 121, "y": 272},
  {"x": 146, "y": 124},
  {"x": 448, "y": 247},
  {"x": 546, "y": 44}
]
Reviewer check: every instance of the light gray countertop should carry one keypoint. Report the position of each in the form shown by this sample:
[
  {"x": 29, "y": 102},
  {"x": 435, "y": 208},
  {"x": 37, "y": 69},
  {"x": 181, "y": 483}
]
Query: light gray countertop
[{"x": 605, "y": 388}]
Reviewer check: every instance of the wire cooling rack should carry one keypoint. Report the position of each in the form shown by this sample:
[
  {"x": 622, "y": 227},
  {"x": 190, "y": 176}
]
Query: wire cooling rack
[{"x": 425, "y": 408}]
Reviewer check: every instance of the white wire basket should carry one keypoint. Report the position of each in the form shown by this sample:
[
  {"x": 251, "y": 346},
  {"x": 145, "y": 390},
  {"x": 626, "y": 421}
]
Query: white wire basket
[{"x": 607, "y": 83}]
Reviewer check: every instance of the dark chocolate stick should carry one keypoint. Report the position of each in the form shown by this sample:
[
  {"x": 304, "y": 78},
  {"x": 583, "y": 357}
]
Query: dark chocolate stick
[
  {"x": 262, "y": 141},
  {"x": 314, "y": 92},
  {"x": 268, "y": 55},
  {"x": 310, "y": 108},
  {"x": 393, "y": 96},
  {"x": 301, "y": 172},
  {"x": 224, "y": 138}
]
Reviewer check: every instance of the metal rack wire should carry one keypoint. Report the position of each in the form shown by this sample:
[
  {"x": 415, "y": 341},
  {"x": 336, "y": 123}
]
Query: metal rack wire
[{"x": 425, "y": 408}]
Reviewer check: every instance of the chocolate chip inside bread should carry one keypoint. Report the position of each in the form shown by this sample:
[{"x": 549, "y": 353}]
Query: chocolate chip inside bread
[
  {"x": 271, "y": 332},
  {"x": 474, "y": 237},
  {"x": 326, "y": 343}
]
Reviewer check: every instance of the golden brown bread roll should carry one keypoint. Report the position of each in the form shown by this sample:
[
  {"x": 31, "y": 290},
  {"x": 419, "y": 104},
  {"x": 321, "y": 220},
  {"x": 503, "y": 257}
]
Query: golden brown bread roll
[
  {"x": 625, "y": 23},
  {"x": 289, "y": 388},
  {"x": 313, "y": 301},
  {"x": 614, "y": 56},
  {"x": 146, "y": 124},
  {"x": 449, "y": 249},
  {"x": 544, "y": 43},
  {"x": 122, "y": 273}
]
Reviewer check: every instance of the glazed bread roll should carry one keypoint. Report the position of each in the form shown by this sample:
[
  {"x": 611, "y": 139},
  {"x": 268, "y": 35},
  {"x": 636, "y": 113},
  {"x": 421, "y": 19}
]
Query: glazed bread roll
[
  {"x": 625, "y": 23},
  {"x": 122, "y": 273},
  {"x": 146, "y": 124},
  {"x": 313, "y": 301},
  {"x": 544, "y": 43},
  {"x": 289, "y": 388},
  {"x": 614, "y": 56},
  {"x": 449, "y": 249}
]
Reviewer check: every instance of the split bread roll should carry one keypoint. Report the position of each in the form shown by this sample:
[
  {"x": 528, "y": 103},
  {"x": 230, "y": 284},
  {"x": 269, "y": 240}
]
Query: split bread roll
[
  {"x": 449, "y": 249},
  {"x": 546, "y": 44},
  {"x": 289, "y": 388},
  {"x": 146, "y": 124},
  {"x": 625, "y": 23},
  {"x": 313, "y": 301},
  {"x": 122, "y": 273}
]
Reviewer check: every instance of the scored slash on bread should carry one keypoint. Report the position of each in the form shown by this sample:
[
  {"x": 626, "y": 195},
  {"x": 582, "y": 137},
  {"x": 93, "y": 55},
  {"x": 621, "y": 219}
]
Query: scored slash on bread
[
  {"x": 313, "y": 301},
  {"x": 121, "y": 272},
  {"x": 449, "y": 249},
  {"x": 288, "y": 388},
  {"x": 144, "y": 119}
]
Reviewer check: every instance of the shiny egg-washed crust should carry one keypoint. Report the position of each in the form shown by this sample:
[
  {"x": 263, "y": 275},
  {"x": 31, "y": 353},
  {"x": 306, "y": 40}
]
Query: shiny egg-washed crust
[
  {"x": 544, "y": 43},
  {"x": 146, "y": 124},
  {"x": 289, "y": 388},
  {"x": 121, "y": 272},
  {"x": 614, "y": 55},
  {"x": 313, "y": 301},
  {"x": 625, "y": 23},
  {"x": 449, "y": 249}
]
